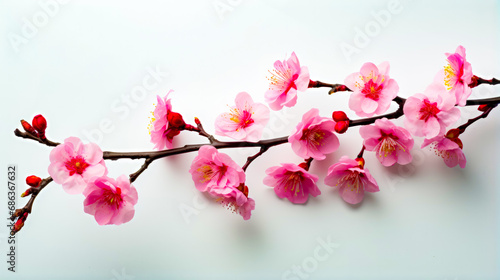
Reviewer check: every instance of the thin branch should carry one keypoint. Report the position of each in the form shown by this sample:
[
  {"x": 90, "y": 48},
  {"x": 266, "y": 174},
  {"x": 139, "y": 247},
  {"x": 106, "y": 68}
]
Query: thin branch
[
  {"x": 473, "y": 120},
  {"x": 478, "y": 81},
  {"x": 252, "y": 158},
  {"x": 27, "y": 135},
  {"x": 360, "y": 155},
  {"x": 136, "y": 174}
]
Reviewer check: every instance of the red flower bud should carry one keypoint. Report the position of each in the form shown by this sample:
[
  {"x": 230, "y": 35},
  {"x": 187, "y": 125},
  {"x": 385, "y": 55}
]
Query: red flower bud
[
  {"x": 341, "y": 127},
  {"x": 33, "y": 181},
  {"x": 483, "y": 107},
  {"x": 28, "y": 128},
  {"x": 175, "y": 120},
  {"x": 197, "y": 121},
  {"x": 19, "y": 223},
  {"x": 27, "y": 192},
  {"x": 39, "y": 123},
  {"x": 339, "y": 116}
]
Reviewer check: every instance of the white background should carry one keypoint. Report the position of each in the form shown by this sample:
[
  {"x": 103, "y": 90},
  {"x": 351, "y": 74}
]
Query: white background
[{"x": 84, "y": 62}]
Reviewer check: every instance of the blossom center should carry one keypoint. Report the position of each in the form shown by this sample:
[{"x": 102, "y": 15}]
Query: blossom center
[
  {"x": 428, "y": 110},
  {"x": 242, "y": 118},
  {"x": 352, "y": 180},
  {"x": 293, "y": 180},
  {"x": 372, "y": 90},
  {"x": 76, "y": 165},
  {"x": 313, "y": 136},
  {"x": 113, "y": 199},
  {"x": 282, "y": 79},
  {"x": 209, "y": 172},
  {"x": 388, "y": 143}
]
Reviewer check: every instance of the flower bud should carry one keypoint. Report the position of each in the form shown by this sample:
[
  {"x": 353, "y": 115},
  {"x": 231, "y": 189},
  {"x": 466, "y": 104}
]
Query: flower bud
[
  {"x": 339, "y": 116},
  {"x": 28, "y": 128},
  {"x": 19, "y": 223},
  {"x": 341, "y": 127},
  {"x": 27, "y": 192},
  {"x": 33, "y": 181},
  {"x": 197, "y": 121},
  {"x": 483, "y": 107},
  {"x": 39, "y": 123}
]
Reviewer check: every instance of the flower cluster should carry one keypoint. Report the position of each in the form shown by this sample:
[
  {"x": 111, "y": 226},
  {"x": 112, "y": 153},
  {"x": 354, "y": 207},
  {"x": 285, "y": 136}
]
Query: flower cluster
[
  {"x": 80, "y": 168},
  {"x": 218, "y": 175}
]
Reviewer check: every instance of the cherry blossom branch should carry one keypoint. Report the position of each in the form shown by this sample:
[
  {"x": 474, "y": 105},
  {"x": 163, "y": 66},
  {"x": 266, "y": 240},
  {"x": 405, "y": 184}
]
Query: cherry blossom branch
[
  {"x": 473, "y": 120},
  {"x": 335, "y": 87},
  {"x": 264, "y": 144}
]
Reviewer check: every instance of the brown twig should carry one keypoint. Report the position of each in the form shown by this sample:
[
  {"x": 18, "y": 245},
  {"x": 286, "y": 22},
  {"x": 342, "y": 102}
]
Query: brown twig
[{"x": 473, "y": 120}]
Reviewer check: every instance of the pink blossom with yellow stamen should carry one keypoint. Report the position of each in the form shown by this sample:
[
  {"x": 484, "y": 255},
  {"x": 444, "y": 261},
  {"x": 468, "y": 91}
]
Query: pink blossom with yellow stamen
[
  {"x": 314, "y": 136},
  {"x": 372, "y": 88},
  {"x": 456, "y": 76},
  {"x": 212, "y": 170},
  {"x": 391, "y": 143},
  {"x": 286, "y": 79},
  {"x": 245, "y": 121},
  {"x": 292, "y": 182},
  {"x": 352, "y": 179}
]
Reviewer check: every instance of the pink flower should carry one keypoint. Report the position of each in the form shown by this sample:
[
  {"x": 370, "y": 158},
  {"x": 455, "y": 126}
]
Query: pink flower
[
  {"x": 429, "y": 114},
  {"x": 245, "y": 121},
  {"x": 212, "y": 170},
  {"x": 235, "y": 199},
  {"x": 449, "y": 149},
  {"x": 165, "y": 124},
  {"x": 110, "y": 201},
  {"x": 292, "y": 182},
  {"x": 373, "y": 89},
  {"x": 314, "y": 136},
  {"x": 390, "y": 142},
  {"x": 457, "y": 76},
  {"x": 352, "y": 179},
  {"x": 73, "y": 164},
  {"x": 287, "y": 77}
]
